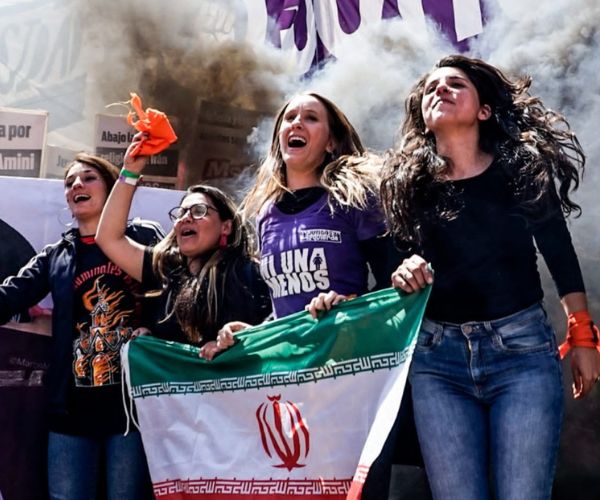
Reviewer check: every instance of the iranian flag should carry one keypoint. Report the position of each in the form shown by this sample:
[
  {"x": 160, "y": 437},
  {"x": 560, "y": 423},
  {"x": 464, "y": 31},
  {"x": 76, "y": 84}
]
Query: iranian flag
[{"x": 297, "y": 408}]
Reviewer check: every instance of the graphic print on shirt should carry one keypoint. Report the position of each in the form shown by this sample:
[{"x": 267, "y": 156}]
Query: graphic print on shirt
[
  {"x": 108, "y": 310},
  {"x": 301, "y": 270}
]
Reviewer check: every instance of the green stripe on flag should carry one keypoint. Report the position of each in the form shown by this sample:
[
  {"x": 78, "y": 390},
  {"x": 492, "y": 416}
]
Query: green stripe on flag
[
  {"x": 341, "y": 368},
  {"x": 296, "y": 348}
]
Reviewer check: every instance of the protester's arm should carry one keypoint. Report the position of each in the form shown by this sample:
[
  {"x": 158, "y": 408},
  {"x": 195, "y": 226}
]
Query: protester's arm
[
  {"x": 121, "y": 250},
  {"x": 585, "y": 361},
  {"x": 554, "y": 243},
  {"x": 27, "y": 288}
]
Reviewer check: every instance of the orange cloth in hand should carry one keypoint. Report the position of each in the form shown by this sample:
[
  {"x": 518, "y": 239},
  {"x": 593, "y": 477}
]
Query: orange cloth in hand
[
  {"x": 154, "y": 123},
  {"x": 581, "y": 332}
]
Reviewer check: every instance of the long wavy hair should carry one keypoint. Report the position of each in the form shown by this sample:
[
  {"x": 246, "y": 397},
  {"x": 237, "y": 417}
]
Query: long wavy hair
[
  {"x": 534, "y": 145},
  {"x": 348, "y": 173},
  {"x": 196, "y": 304}
]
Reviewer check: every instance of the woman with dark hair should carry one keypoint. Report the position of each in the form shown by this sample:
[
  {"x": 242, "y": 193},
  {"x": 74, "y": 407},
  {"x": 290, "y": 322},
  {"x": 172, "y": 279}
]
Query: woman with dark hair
[
  {"x": 321, "y": 228},
  {"x": 97, "y": 308},
  {"x": 205, "y": 269},
  {"x": 468, "y": 192}
]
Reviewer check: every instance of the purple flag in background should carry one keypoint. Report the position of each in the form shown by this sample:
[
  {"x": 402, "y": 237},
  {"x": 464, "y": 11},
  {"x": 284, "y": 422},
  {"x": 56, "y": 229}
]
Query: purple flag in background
[
  {"x": 444, "y": 13},
  {"x": 458, "y": 20},
  {"x": 390, "y": 9},
  {"x": 349, "y": 15},
  {"x": 288, "y": 13}
]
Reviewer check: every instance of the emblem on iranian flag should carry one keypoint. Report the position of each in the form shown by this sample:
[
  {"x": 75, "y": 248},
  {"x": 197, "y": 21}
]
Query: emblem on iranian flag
[{"x": 283, "y": 432}]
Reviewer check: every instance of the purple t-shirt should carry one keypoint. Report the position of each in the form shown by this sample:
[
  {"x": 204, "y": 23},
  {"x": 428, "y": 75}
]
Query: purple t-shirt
[{"x": 314, "y": 251}]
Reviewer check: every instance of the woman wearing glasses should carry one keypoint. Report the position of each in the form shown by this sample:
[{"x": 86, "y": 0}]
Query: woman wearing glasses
[{"x": 205, "y": 267}]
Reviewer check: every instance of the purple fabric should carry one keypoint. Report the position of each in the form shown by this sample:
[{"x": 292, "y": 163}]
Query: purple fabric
[
  {"x": 390, "y": 9},
  {"x": 349, "y": 15},
  {"x": 442, "y": 12},
  {"x": 311, "y": 252},
  {"x": 293, "y": 13},
  {"x": 288, "y": 13}
]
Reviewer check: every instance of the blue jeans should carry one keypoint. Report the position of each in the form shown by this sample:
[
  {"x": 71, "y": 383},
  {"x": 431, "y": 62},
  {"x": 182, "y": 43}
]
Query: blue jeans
[
  {"x": 74, "y": 463},
  {"x": 488, "y": 405}
]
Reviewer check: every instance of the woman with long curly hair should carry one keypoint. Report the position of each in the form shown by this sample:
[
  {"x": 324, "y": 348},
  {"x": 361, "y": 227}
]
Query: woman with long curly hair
[{"x": 481, "y": 177}]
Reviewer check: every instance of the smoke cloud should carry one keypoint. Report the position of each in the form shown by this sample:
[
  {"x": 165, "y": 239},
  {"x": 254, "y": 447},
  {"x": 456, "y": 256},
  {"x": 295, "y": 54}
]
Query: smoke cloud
[
  {"x": 177, "y": 56},
  {"x": 179, "y": 53}
]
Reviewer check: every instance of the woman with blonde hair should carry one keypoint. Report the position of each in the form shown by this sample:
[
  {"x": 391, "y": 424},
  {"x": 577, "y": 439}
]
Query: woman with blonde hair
[
  {"x": 321, "y": 229},
  {"x": 319, "y": 223}
]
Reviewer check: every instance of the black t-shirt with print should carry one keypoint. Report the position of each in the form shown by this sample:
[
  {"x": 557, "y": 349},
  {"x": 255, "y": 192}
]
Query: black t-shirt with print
[{"x": 106, "y": 309}]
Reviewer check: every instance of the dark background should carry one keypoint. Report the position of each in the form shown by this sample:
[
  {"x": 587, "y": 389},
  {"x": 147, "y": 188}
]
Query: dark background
[{"x": 22, "y": 431}]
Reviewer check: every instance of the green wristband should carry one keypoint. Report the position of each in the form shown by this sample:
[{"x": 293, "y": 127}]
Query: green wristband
[{"x": 130, "y": 174}]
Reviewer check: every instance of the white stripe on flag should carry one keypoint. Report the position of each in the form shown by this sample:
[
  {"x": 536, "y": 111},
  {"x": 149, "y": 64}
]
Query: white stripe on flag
[{"x": 202, "y": 436}]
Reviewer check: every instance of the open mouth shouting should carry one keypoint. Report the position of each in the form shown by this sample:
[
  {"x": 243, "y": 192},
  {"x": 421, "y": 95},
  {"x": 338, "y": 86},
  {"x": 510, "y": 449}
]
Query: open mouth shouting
[
  {"x": 295, "y": 141},
  {"x": 187, "y": 232},
  {"x": 78, "y": 198}
]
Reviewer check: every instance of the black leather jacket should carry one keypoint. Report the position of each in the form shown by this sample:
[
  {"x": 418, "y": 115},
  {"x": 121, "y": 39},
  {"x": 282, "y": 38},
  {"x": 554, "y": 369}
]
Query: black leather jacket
[{"x": 52, "y": 271}]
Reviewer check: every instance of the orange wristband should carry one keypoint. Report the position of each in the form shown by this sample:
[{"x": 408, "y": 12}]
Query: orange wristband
[{"x": 581, "y": 332}]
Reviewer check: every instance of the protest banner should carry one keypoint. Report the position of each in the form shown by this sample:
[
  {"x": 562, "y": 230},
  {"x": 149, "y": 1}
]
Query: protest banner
[
  {"x": 112, "y": 136},
  {"x": 22, "y": 139},
  {"x": 56, "y": 159},
  {"x": 220, "y": 151}
]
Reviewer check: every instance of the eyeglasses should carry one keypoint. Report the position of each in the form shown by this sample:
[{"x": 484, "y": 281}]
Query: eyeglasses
[{"x": 197, "y": 211}]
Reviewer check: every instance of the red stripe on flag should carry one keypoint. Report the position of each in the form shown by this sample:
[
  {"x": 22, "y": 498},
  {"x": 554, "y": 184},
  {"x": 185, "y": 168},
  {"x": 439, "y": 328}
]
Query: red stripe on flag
[
  {"x": 355, "y": 491},
  {"x": 229, "y": 489},
  {"x": 358, "y": 482},
  {"x": 237, "y": 496}
]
